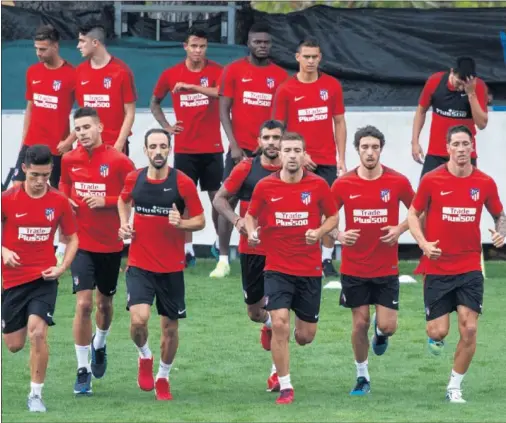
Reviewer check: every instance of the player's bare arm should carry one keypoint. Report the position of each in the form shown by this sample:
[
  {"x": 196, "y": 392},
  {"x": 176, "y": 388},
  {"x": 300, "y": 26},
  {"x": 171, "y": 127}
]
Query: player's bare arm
[
  {"x": 340, "y": 138},
  {"x": 27, "y": 118},
  {"x": 192, "y": 224},
  {"x": 208, "y": 91},
  {"x": 222, "y": 206},
  {"x": 252, "y": 229},
  {"x": 54, "y": 272},
  {"x": 499, "y": 234},
  {"x": 328, "y": 225},
  {"x": 126, "y": 127},
  {"x": 418, "y": 122},
  {"x": 430, "y": 249},
  {"x": 225, "y": 107},
  {"x": 480, "y": 116},
  {"x": 125, "y": 211},
  {"x": 157, "y": 112}
]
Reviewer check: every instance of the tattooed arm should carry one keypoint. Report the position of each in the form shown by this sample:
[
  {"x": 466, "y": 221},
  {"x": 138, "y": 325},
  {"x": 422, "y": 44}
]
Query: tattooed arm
[{"x": 499, "y": 234}]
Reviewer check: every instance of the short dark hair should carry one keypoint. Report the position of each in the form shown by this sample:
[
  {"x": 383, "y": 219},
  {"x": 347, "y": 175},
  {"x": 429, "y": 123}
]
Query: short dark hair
[
  {"x": 38, "y": 154},
  {"x": 196, "y": 32},
  {"x": 309, "y": 42},
  {"x": 457, "y": 130},
  {"x": 368, "y": 131},
  {"x": 465, "y": 67},
  {"x": 273, "y": 124},
  {"x": 47, "y": 32},
  {"x": 156, "y": 131},
  {"x": 95, "y": 31},
  {"x": 258, "y": 27},
  {"x": 293, "y": 136},
  {"x": 86, "y": 112}
]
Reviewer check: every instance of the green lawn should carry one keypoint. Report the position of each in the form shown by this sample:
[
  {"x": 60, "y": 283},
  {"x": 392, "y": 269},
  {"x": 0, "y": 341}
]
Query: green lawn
[{"x": 220, "y": 370}]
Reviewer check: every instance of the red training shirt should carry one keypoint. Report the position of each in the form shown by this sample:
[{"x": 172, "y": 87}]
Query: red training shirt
[
  {"x": 107, "y": 89},
  {"x": 157, "y": 245},
  {"x": 199, "y": 113},
  {"x": 100, "y": 175},
  {"x": 370, "y": 205},
  {"x": 51, "y": 92},
  {"x": 290, "y": 210},
  {"x": 309, "y": 110},
  {"x": 441, "y": 124},
  {"x": 28, "y": 228},
  {"x": 252, "y": 89},
  {"x": 453, "y": 207}
]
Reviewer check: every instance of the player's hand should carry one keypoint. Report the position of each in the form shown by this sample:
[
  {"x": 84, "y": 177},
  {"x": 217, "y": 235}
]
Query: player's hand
[
  {"x": 174, "y": 216},
  {"x": 308, "y": 163},
  {"x": 126, "y": 232},
  {"x": 253, "y": 238},
  {"x": 52, "y": 273},
  {"x": 392, "y": 235},
  {"x": 10, "y": 258},
  {"x": 341, "y": 168},
  {"x": 312, "y": 236},
  {"x": 181, "y": 86},
  {"x": 63, "y": 147},
  {"x": 237, "y": 154},
  {"x": 431, "y": 250},
  {"x": 497, "y": 239},
  {"x": 94, "y": 202},
  {"x": 470, "y": 85},
  {"x": 417, "y": 152},
  {"x": 176, "y": 128},
  {"x": 349, "y": 237},
  {"x": 240, "y": 225}
]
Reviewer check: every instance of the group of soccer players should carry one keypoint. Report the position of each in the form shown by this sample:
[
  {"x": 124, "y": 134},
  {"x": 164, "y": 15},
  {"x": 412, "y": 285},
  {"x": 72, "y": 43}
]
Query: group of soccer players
[{"x": 285, "y": 165}]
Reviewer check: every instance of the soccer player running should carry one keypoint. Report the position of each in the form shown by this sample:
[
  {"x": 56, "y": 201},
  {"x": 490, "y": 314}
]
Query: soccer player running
[
  {"x": 156, "y": 260},
  {"x": 291, "y": 204},
  {"x": 370, "y": 195},
  {"x": 247, "y": 89},
  {"x": 31, "y": 213},
  {"x": 457, "y": 97},
  {"x": 241, "y": 183},
  {"x": 49, "y": 94},
  {"x": 198, "y": 149},
  {"x": 452, "y": 198},
  {"x": 93, "y": 175},
  {"x": 311, "y": 103}
]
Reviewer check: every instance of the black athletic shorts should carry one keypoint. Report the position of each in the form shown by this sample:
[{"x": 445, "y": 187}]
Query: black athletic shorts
[
  {"x": 302, "y": 294},
  {"x": 168, "y": 288},
  {"x": 432, "y": 162},
  {"x": 442, "y": 294},
  {"x": 101, "y": 270},
  {"x": 230, "y": 164},
  {"x": 204, "y": 168},
  {"x": 19, "y": 175},
  {"x": 18, "y": 303},
  {"x": 327, "y": 172},
  {"x": 356, "y": 291},
  {"x": 252, "y": 270}
]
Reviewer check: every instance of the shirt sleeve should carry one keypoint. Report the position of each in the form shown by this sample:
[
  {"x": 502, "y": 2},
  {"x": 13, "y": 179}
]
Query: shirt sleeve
[
  {"x": 162, "y": 87},
  {"x": 482, "y": 94},
  {"x": 257, "y": 201},
  {"x": 430, "y": 86},
  {"x": 227, "y": 83},
  {"x": 28, "y": 92},
  {"x": 338, "y": 108},
  {"x": 126, "y": 193},
  {"x": 128, "y": 87},
  {"x": 280, "y": 109},
  {"x": 493, "y": 202},
  {"x": 327, "y": 203},
  {"x": 65, "y": 184},
  {"x": 406, "y": 194},
  {"x": 125, "y": 167},
  {"x": 422, "y": 196},
  {"x": 190, "y": 195},
  {"x": 237, "y": 177},
  {"x": 68, "y": 222},
  {"x": 337, "y": 193}
]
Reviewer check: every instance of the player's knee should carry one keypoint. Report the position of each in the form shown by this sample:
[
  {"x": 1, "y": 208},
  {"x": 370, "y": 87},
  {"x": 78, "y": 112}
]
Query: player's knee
[
  {"x": 14, "y": 345},
  {"x": 280, "y": 325},
  {"x": 437, "y": 333},
  {"x": 468, "y": 332},
  {"x": 304, "y": 337},
  {"x": 361, "y": 325},
  {"x": 387, "y": 328},
  {"x": 104, "y": 307},
  {"x": 256, "y": 314},
  {"x": 84, "y": 307},
  {"x": 37, "y": 335}
]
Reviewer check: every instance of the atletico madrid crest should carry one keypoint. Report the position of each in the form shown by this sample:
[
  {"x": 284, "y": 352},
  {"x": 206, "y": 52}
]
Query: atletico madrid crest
[
  {"x": 50, "y": 214},
  {"x": 385, "y": 195},
  {"x": 56, "y": 85},
  {"x": 475, "y": 194},
  {"x": 107, "y": 82},
  {"x": 305, "y": 198},
  {"x": 324, "y": 95},
  {"x": 204, "y": 81},
  {"x": 270, "y": 83},
  {"x": 104, "y": 170}
]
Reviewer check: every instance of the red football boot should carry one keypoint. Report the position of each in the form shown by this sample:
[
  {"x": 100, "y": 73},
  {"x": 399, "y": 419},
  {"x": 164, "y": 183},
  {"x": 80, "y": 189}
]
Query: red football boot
[
  {"x": 162, "y": 390},
  {"x": 285, "y": 396},
  {"x": 266, "y": 337},
  {"x": 145, "y": 378}
]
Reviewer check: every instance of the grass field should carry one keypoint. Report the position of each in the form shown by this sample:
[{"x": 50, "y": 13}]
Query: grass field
[{"x": 220, "y": 370}]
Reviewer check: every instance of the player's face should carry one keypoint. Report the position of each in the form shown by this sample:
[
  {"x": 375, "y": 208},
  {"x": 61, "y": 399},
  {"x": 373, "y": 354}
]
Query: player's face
[
  {"x": 45, "y": 50},
  {"x": 458, "y": 83},
  {"x": 157, "y": 150},
  {"x": 37, "y": 177},
  {"x": 269, "y": 141},
  {"x": 86, "y": 45},
  {"x": 309, "y": 59},
  {"x": 88, "y": 130},
  {"x": 196, "y": 48},
  {"x": 460, "y": 148},
  {"x": 260, "y": 44},
  {"x": 369, "y": 150},
  {"x": 292, "y": 155}
]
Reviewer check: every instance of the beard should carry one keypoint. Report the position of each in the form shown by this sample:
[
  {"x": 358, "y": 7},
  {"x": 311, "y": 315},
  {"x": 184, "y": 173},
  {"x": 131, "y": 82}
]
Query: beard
[{"x": 158, "y": 165}]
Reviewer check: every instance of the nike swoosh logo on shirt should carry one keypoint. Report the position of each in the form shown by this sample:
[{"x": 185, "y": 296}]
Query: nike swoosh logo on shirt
[
  {"x": 446, "y": 192},
  {"x": 84, "y": 82},
  {"x": 246, "y": 80},
  {"x": 276, "y": 199},
  {"x": 36, "y": 82},
  {"x": 75, "y": 169},
  {"x": 354, "y": 196},
  {"x": 167, "y": 189},
  {"x": 21, "y": 214},
  {"x": 299, "y": 98}
]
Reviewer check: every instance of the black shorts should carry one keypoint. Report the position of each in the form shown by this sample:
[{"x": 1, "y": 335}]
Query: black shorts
[
  {"x": 18, "y": 303},
  {"x": 19, "y": 175},
  {"x": 432, "y": 162},
  {"x": 252, "y": 270},
  {"x": 442, "y": 294},
  {"x": 302, "y": 294},
  {"x": 356, "y": 291},
  {"x": 204, "y": 168},
  {"x": 168, "y": 288},
  {"x": 230, "y": 164},
  {"x": 327, "y": 172},
  {"x": 101, "y": 270}
]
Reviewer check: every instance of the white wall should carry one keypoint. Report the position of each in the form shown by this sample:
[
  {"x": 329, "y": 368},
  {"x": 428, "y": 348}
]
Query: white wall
[{"x": 396, "y": 125}]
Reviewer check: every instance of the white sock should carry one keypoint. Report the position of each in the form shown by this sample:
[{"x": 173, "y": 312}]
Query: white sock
[
  {"x": 144, "y": 352},
  {"x": 163, "y": 370},
  {"x": 268, "y": 322},
  {"x": 188, "y": 248},
  {"x": 273, "y": 369},
  {"x": 327, "y": 253},
  {"x": 100, "y": 335},
  {"x": 61, "y": 248},
  {"x": 455, "y": 380},
  {"x": 217, "y": 243},
  {"x": 285, "y": 383},
  {"x": 363, "y": 370},
  {"x": 36, "y": 389},
  {"x": 82, "y": 353},
  {"x": 223, "y": 259}
]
